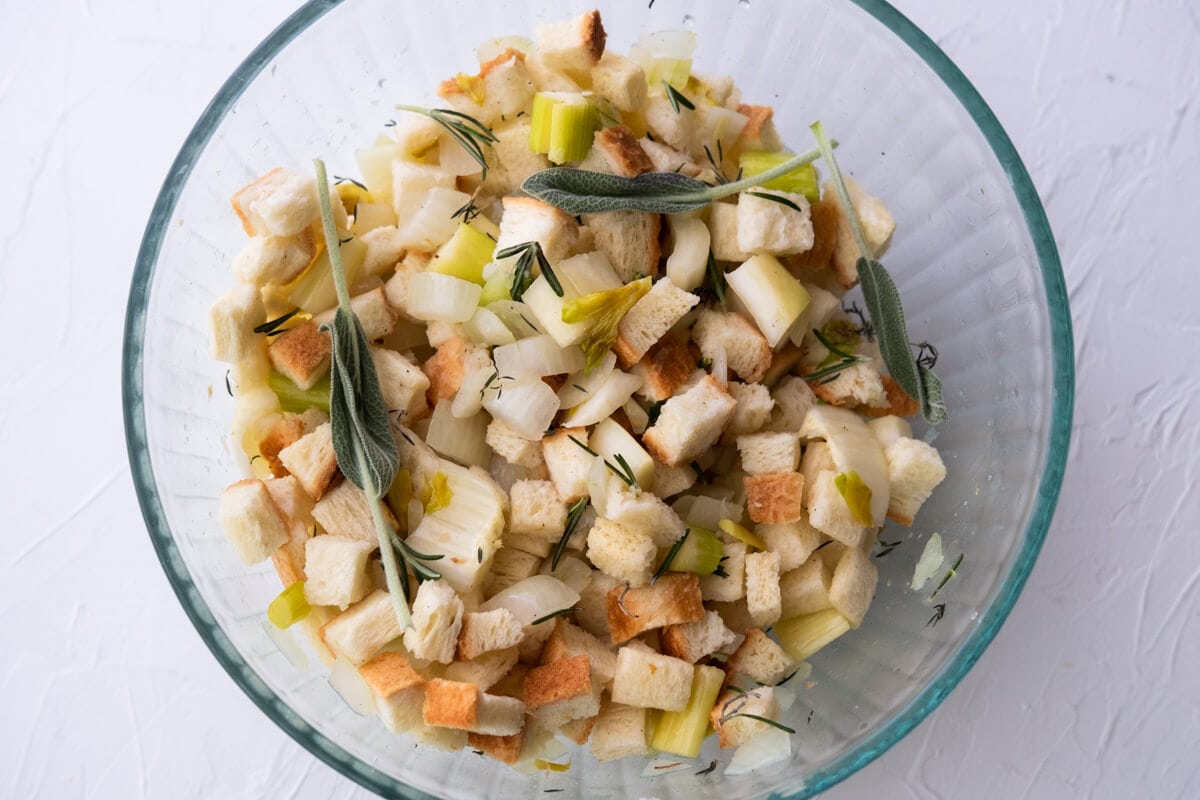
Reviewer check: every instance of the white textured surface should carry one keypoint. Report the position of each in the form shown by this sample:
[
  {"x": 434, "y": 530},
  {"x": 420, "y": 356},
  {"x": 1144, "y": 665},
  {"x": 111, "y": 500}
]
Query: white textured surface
[{"x": 1091, "y": 688}]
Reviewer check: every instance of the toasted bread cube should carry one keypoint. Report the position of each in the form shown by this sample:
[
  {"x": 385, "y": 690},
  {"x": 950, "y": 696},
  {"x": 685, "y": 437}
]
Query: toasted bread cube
[
  {"x": 286, "y": 431},
  {"x": 485, "y": 631},
  {"x": 665, "y": 368},
  {"x": 401, "y": 382},
  {"x": 857, "y": 385},
  {"x": 252, "y": 521},
  {"x": 793, "y": 399},
  {"x": 274, "y": 260},
  {"x": 644, "y": 513},
  {"x": 762, "y": 587},
  {"x": 767, "y": 453},
  {"x": 514, "y": 161},
  {"x": 793, "y": 542},
  {"x": 692, "y": 641},
  {"x": 399, "y": 690},
  {"x": 232, "y": 320},
  {"x": 853, "y": 585},
  {"x": 649, "y": 680},
  {"x": 629, "y": 239},
  {"x": 624, "y": 554},
  {"x": 451, "y": 704},
  {"x": 505, "y": 749},
  {"x": 620, "y": 731},
  {"x": 510, "y": 565},
  {"x": 572, "y": 45},
  {"x": 746, "y": 350},
  {"x": 670, "y": 481},
  {"x": 680, "y": 128},
  {"x": 485, "y": 670},
  {"x": 690, "y": 423},
  {"x": 620, "y": 151},
  {"x": 296, "y": 507},
  {"x": 815, "y": 459},
  {"x": 344, "y": 511},
  {"x": 362, "y": 630},
  {"x": 828, "y": 512},
  {"x": 447, "y": 367},
  {"x": 301, "y": 354},
  {"x": 877, "y": 226},
  {"x": 769, "y": 226},
  {"x": 312, "y": 460},
  {"x": 723, "y": 232},
  {"x": 537, "y": 510},
  {"x": 373, "y": 312},
  {"x": 526, "y": 219},
  {"x": 561, "y": 691},
  {"x": 336, "y": 570},
  {"x": 567, "y": 462},
  {"x": 754, "y": 404},
  {"x": 729, "y": 716},
  {"x": 569, "y": 641},
  {"x": 761, "y": 658},
  {"x": 914, "y": 471},
  {"x": 621, "y": 80},
  {"x": 579, "y": 730},
  {"x": 776, "y": 498},
  {"x": 805, "y": 590},
  {"x": 759, "y": 133},
  {"x": 733, "y": 587},
  {"x": 650, "y": 319},
  {"x": 512, "y": 447},
  {"x": 280, "y": 203},
  {"x": 673, "y": 599},
  {"x": 593, "y": 605},
  {"x": 505, "y": 88},
  {"x": 437, "y": 615}
]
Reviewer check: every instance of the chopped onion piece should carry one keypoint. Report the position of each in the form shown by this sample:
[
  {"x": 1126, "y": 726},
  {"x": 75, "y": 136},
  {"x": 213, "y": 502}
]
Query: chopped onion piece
[
  {"x": 929, "y": 563},
  {"x": 485, "y": 327},
  {"x": 582, "y": 385},
  {"x": 767, "y": 747},
  {"x": 639, "y": 420},
  {"x": 528, "y": 407},
  {"x": 459, "y": 439},
  {"x": 346, "y": 681},
  {"x": 599, "y": 476},
  {"x": 469, "y": 400},
  {"x": 533, "y": 598},
  {"x": 688, "y": 262},
  {"x": 444, "y": 298},
  {"x": 720, "y": 364},
  {"x": 287, "y": 645},
  {"x": 606, "y": 399},
  {"x": 516, "y": 316},
  {"x": 706, "y": 512},
  {"x": 536, "y": 356},
  {"x": 854, "y": 448}
]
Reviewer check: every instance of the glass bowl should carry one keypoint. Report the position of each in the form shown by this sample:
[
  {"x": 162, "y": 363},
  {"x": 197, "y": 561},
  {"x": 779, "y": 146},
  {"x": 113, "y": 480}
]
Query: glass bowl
[{"x": 973, "y": 256}]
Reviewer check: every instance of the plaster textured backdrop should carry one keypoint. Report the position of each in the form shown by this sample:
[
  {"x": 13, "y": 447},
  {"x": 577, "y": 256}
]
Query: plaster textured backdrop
[{"x": 1091, "y": 688}]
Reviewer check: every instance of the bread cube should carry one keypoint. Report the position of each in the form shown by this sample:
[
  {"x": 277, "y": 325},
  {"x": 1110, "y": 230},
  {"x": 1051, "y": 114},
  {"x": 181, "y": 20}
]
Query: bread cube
[
  {"x": 665, "y": 368},
  {"x": 651, "y": 318},
  {"x": 282, "y": 202},
  {"x": 805, "y": 590},
  {"x": 560, "y": 691},
  {"x": 762, "y": 587},
  {"x": 569, "y": 641},
  {"x": 571, "y": 45},
  {"x": 692, "y": 641},
  {"x": 630, "y": 241},
  {"x": 620, "y": 731},
  {"x": 649, "y": 680},
  {"x": 775, "y": 498},
  {"x": 486, "y": 631},
  {"x": 567, "y": 462},
  {"x": 769, "y": 226},
  {"x": 914, "y": 471},
  {"x": 301, "y": 354},
  {"x": 673, "y": 599},
  {"x": 485, "y": 670},
  {"x": 621, "y": 80},
  {"x": 252, "y": 521},
  {"x": 730, "y": 588},
  {"x": 853, "y": 585},
  {"x": 793, "y": 399},
  {"x": 624, "y": 554},
  {"x": 793, "y": 542},
  {"x": 362, "y": 630},
  {"x": 402, "y": 384},
  {"x": 730, "y": 719},
  {"x": 760, "y": 657},
  {"x": 232, "y": 321},
  {"x": 766, "y": 453},
  {"x": 746, "y": 350},
  {"x": 828, "y": 512},
  {"x": 437, "y": 615},
  {"x": 514, "y": 448},
  {"x": 877, "y": 226},
  {"x": 336, "y": 570},
  {"x": 754, "y": 404},
  {"x": 312, "y": 460},
  {"x": 690, "y": 423},
  {"x": 274, "y": 260}
]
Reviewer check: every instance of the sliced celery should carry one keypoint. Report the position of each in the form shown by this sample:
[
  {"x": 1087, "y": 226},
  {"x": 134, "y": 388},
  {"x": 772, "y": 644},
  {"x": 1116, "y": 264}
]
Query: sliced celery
[
  {"x": 804, "y": 635},
  {"x": 603, "y": 311},
  {"x": 497, "y": 287},
  {"x": 295, "y": 400},
  {"x": 399, "y": 495},
  {"x": 856, "y": 494},
  {"x": 700, "y": 553},
  {"x": 802, "y": 180},
  {"x": 682, "y": 732},
  {"x": 289, "y": 606},
  {"x": 572, "y": 126},
  {"x": 540, "y": 122},
  {"x": 742, "y": 534},
  {"x": 465, "y": 255}
]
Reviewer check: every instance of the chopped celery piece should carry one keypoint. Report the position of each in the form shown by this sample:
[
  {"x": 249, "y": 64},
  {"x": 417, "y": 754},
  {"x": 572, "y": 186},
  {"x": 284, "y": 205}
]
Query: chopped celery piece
[
  {"x": 802, "y": 180},
  {"x": 497, "y": 287},
  {"x": 552, "y": 766},
  {"x": 856, "y": 494},
  {"x": 399, "y": 494},
  {"x": 674, "y": 71},
  {"x": 700, "y": 553},
  {"x": 465, "y": 255},
  {"x": 603, "y": 311},
  {"x": 289, "y": 606},
  {"x": 541, "y": 121},
  {"x": 295, "y": 400},
  {"x": 742, "y": 534},
  {"x": 436, "y": 494},
  {"x": 572, "y": 126},
  {"x": 804, "y": 635},
  {"x": 682, "y": 732}
]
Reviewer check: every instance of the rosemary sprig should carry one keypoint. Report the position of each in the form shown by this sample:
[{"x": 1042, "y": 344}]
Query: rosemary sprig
[
  {"x": 883, "y": 303},
  {"x": 469, "y": 132},
  {"x": 621, "y": 469},
  {"x": 833, "y": 348},
  {"x": 712, "y": 765},
  {"x": 228, "y": 388},
  {"x": 560, "y": 613},
  {"x": 338, "y": 180},
  {"x": 652, "y": 412},
  {"x": 677, "y": 98},
  {"x": 621, "y": 602},
  {"x": 574, "y": 514},
  {"x": 716, "y": 280},
  {"x": 885, "y": 548},
  {"x": 271, "y": 326},
  {"x": 775, "y": 198},
  {"x": 578, "y": 191},
  {"x": 670, "y": 556},
  {"x": 950, "y": 574},
  {"x": 865, "y": 328},
  {"x": 527, "y": 253},
  {"x": 468, "y": 211},
  {"x": 760, "y": 718},
  {"x": 834, "y": 369},
  {"x": 939, "y": 611},
  {"x": 716, "y": 164}
]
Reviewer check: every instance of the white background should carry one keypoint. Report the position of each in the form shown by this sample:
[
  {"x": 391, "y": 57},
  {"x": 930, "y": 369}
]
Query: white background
[{"x": 1090, "y": 690}]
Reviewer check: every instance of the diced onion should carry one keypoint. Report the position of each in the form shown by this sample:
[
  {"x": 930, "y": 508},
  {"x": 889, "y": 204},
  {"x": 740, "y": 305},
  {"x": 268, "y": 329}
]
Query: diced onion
[
  {"x": 767, "y": 747},
  {"x": 606, "y": 399},
  {"x": 459, "y": 439},
  {"x": 484, "y": 327},
  {"x": 688, "y": 262},
  {"x": 287, "y": 645},
  {"x": 639, "y": 420},
  {"x": 443, "y": 298},
  {"x": 533, "y": 598},
  {"x": 346, "y": 681},
  {"x": 599, "y": 476},
  {"x": 516, "y": 316},
  {"x": 469, "y": 399},
  {"x": 720, "y": 364},
  {"x": 526, "y": 407},
  {"x": 706, "y": 512},
  {"x": 433, "y": 223},
  {"x": 929, "y": 563},
  {"x": 582, "y": 385},
  {"x": 536, "y": 356},
  {"x": 854, "y": 448},
  {"x": 455, "y": 159}
]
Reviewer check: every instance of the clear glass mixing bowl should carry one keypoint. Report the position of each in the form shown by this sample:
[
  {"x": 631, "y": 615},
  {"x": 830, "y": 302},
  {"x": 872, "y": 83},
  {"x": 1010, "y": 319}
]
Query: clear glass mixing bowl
[{"x": 973, "y": 256}]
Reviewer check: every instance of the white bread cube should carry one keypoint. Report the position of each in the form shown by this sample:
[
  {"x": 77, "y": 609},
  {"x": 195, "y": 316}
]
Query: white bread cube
[
  {"x": 385, "y": 248},
  {"x": 666, "y": 368},
  {"x": 462, "y": 706},
  {"x": 510, "y": 565},
  {"x": 735, "y": 616},
  {"x": 344, "y": 511},
  {"x": 816, "y": 457},
  {"x": 692, "y": 641},
  {"x": 274, "y": 260},
  {"x": 437, "y": 614},
  {"x": 723, "y": 232},
  {"x": 511, "y": 161},
  {"x": 362, "y": 630},
  {"x": 793, "y": 542},
  {"x": 765, "y": 453},
  {"x": 680, "y": 129},
  {"x": 397, "y": 287},
  {"x": 537, "y": 510},
  {"x": 762, "y": 587},
  {"x": 252, "y": 521},
  {"x": 729, "y": 716},
  {"x": 853, "y": 585},
  {"x": 526, "y": 219},
  {"x": 805, "y": 590},
  {"x": 674, "y": 599},
  {"x": 301, "y": 354},
  {"x": 560, "y": 691},
  {"x": 399, "y": 690},
  {"x": 484, "y": 671},
  {"x": 620, "y": 731},
  {"x": 593, "y": 605},
  {"x": 670, "y": 481},
  {"x": 649, "y": 680},
  {"x": 312, "y": 460},
  {"x": 857, "y": 385},
  {"x": 232, "y": 320},
  {"x": 485, "y": 631},
  {"x": 336, "y": 570},
  {"x": 572, "y": 45},
  {"x": 768, "y": 226},
  {"x": 776, "y": 498},
  {"x": 690, "y": 423},
  {"x": 402, "y": 383},
  {"x": 411, "y": 183},
  {"x": 761, "y": 658},
  {"x": 793, "y": 399},
  {"x": 624, "y": 554},
  {"x": 629, "y": 239},
  {"x": 568, "y": 641},
  {"x": 828, "y": 512},
  {"x": 514, "y": 448},
  {"x": 454, "y": 360},
  {"x": 282, "y": 202},
  {"x": 506, "y": 88},
  {"x": 877, "y": 226},
  {"x": 616, "y": 151},
  {"x": 914, "y": 471},
  {"x": 373, "y": 312},
  {"x": 754, "y": 404},
  {"x": 746, "y": 350},
  {"x": 650, "y": 319},
  {"x": 567, "y": 462},
  {"x": 644, "y": 513},
  {"x": 888, "y": 430},
  {"x": 620, "y": 80},
  {"x": 667, "y": 159},
  {"x": 726, "y": 590}
]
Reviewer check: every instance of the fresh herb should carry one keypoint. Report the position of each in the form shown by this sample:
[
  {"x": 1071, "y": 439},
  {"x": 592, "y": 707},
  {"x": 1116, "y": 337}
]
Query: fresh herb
[
  {"x": 468, "y": 211},
  {"x": 271, "y": 326},
  {"x": 927, "y": 355},
  {"x": 717, "y": 164},
  {"x": 228, "y": 388},
  {"x": 823, "y": 545},
  {"x": 574, "y": 515},
  {"x": 777, "y": 198},
  {"x": 560, "y": 613},
  {"x": 834, "y": 349},
  {"x": 670, "y": 556},
  {"x": 677, "y": 99},
  {"x": 791, "y": 675},
  {"x": 712, "y": 765},
  {"x": 950, "y": 574},
  {"x": 580, "y": 388},
  {"x": 338, "y": 180},
  {"x": 586, "y": 449},
  {"x": 886, "y": 548},
  {"x": 621, "y": 602},
  {"x": 479, "y": 555},
  {"x": 672, "y": 765},
  {"x": 578, "y": 191},
  {"x": 883, "y": 303},
  {"x": 767, "y": 720},
  {"x": 832, "y": 370},
  {"x": 621, "y": 469},
  {"x": 527, "y": 253},
  {"x": 716, "y": 280},
  {"x": 939, "y": 611},
  {"x": 810, "y": 715},
  {"x": 469, "y": 132},
  {"x": 362, "y": 436},
  {"x": 652, "y": 412},
  {"x": 864, "y": 328}
]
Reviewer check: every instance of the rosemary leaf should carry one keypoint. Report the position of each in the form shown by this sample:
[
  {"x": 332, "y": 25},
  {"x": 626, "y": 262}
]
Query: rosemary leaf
[
  {"x": 950, "y": 574},
  {"x": 271, "y": 326},
  {"x": 939, "y": 611},
  {"x": 670, "y": 556},
  {"x": 469, "y": 132},
  {"x": 776, "y": 198},
  {"x": 767, "y": 720},
  {"x": 574, "y": 514},
  {"x": 677, "y": 98},
  {"x": 716, "y": 277},
  {"x": 561, "y": 612}
]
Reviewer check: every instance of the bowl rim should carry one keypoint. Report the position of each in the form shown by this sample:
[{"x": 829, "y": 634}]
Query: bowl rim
[{"x": 969, "y": 651}]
